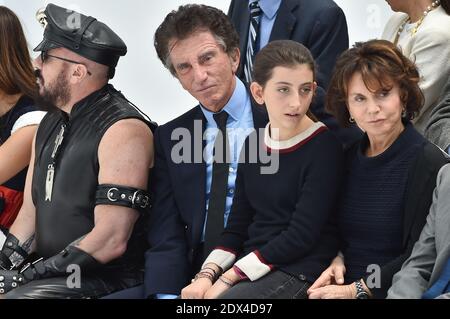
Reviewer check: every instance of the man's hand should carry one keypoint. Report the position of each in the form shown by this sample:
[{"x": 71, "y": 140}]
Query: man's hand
[{"x": 197, "y": 289}]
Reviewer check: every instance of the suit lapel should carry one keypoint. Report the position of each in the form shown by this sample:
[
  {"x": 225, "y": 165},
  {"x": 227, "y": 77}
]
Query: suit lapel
[
  {"x": 197, "y": 182},
  {"x": 285, "y": 21}
]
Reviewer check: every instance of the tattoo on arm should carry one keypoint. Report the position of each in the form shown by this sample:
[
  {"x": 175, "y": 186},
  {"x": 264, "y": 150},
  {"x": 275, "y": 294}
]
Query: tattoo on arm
[{"x": 28, "y": 246}]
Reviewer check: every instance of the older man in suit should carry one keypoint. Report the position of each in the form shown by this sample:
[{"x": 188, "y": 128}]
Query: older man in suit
[
  {"x": 320, "y": 25},
  {"x": 428, "y": 267},
  {"x": 193, "y": 193}
]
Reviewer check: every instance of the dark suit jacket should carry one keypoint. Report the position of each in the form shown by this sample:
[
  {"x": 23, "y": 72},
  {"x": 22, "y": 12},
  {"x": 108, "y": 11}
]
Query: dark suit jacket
[
  {"x": 179, "y": 208},
  {"x": 320, "y": 25}
]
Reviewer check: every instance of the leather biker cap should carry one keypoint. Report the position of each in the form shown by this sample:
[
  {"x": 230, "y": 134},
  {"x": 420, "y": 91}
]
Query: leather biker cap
[{"x": 83, "y": 35}]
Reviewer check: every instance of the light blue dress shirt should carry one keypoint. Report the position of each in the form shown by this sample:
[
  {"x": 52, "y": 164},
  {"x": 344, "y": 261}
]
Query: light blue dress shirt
[
  {"x": 269, "y": 9},
  {"x": 239, "y": 126}
]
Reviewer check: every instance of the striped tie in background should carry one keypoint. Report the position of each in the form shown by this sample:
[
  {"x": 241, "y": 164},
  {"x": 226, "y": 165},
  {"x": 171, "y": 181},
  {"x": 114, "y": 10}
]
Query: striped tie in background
[{"x": 255, "y": 14}]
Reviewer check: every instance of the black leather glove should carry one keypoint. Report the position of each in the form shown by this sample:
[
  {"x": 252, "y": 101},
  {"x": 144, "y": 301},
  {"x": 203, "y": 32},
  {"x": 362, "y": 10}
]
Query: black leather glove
[
  {"x": 57, "y": 265},
  {"x": 5, "y": 263},
  {"x": 9, "y": 279}
]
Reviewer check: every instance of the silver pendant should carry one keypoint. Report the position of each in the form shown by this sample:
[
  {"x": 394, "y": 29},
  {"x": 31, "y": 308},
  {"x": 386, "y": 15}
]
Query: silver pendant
[
  {"x": 58, "y": 141},
  {"x": 49, "y": 183},
  {"x": 51, "y": 167}
]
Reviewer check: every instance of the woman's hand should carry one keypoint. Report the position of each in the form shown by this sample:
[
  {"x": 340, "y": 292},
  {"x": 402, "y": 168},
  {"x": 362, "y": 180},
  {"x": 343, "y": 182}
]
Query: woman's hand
[
  {"x": 333, "y": 275},
  {"x": 225, "y": 282},
  {"x": 333, "y": 292}
]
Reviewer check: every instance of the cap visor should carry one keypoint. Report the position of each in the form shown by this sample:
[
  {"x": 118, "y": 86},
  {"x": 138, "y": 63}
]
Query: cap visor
[{"x": 46, "y": 45}]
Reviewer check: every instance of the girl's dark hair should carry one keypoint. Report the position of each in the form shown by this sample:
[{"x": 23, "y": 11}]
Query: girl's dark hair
[
  {"x": 381, "y": 65},
  {"x": 16, "y": 70},
  {"x": 285, "y": 53}
]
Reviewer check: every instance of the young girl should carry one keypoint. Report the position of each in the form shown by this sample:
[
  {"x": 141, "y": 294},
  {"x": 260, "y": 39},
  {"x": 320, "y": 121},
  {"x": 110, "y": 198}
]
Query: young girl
[{"x": 279, "y": 236}]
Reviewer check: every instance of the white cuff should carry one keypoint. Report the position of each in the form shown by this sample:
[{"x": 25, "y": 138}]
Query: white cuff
[
  {"x": 253, "y": 266},
  {"x": 221, "y": 257}
]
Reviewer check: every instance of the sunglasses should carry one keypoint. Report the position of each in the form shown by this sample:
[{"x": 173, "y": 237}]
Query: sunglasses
[{"x": 45, "y": 56}]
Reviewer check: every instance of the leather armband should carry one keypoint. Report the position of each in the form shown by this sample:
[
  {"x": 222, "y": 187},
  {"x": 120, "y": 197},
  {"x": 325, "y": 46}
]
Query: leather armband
[
  {"x": 10, "y": 246},
  {"x": 108, "y": 194}
]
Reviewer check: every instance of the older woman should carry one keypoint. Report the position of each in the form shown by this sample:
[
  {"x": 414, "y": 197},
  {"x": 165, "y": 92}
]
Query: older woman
[
  {"x": 420, "y": 29},
  {"x": 391, "y": 172},
  {"x": 18, "y": 115}
]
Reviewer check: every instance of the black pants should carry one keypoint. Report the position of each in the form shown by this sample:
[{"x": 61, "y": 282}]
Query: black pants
[
  {"x": 275, "y": 285},
  {"x": 91, "y": 286}
]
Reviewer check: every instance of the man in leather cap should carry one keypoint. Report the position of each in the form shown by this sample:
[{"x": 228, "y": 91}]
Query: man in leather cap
[{"x": 85, "y": 196}]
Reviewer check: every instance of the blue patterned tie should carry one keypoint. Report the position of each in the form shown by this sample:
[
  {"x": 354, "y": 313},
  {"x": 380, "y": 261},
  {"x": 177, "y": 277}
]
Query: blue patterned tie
[{"x": 255, "y": 15}]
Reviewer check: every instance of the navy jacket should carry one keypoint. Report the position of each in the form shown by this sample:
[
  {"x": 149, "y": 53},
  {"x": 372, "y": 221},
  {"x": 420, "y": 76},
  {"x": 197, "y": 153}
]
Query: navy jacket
[
  {"x": 320, "y": 25},
  {"x": 179, "y": 207}
]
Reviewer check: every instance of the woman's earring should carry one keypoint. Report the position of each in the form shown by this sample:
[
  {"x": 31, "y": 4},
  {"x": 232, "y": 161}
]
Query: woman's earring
[
  {"x": 404, "y": 113},
  {"x": 351, "y": 119}
]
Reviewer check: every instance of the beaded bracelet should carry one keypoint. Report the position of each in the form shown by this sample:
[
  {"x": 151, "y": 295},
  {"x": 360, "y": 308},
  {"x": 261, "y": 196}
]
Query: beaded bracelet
[
  {"x": 215, "y": 273},
  {"x": 209, "y": 268},
  {"x": 204, "y": 275},
  {"x": 226, "y": 281}
]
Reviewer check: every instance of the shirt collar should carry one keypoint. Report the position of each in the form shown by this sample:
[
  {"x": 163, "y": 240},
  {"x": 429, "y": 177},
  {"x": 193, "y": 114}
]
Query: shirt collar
[
  {"x": 294, "y": 142},
  {"x": 269, "y": 7},
  {"x": 235, "y": 106}
]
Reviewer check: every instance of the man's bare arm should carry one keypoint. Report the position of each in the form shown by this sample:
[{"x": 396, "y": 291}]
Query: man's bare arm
[
  {"x": 125, "y": 156},
  {"x": 23, "y": 227}
]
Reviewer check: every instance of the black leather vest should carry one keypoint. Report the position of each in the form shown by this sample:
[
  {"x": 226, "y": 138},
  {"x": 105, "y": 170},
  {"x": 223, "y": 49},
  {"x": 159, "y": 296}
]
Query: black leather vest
[{"x": 70, "y": 213}]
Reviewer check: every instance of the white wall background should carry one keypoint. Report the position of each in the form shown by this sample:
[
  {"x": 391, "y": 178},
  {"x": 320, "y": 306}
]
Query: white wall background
[{"x": 140, "y": 75}]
